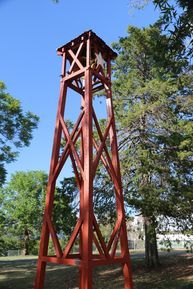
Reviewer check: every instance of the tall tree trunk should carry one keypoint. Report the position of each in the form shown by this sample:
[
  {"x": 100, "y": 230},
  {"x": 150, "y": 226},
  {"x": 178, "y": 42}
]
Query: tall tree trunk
[
  {"x": 26, "y": 242},
  {"x": 151, "y": 250}
]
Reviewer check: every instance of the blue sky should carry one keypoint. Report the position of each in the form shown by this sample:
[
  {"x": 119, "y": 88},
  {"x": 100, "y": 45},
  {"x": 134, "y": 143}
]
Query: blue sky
[{"x": 30, "y": 33}]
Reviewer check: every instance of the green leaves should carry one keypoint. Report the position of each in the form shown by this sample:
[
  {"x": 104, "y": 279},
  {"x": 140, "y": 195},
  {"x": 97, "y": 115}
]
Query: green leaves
[
  {"x": 24, "y": 199},
  {"x": 22, "y": 204},
  {"x": 154, "y": 113},
  {"x": 176, "y": 19},
  {"x": 16, "y": 129},
  {"x": 22, "y": 209},
  {"x": 65, "y": 207}
]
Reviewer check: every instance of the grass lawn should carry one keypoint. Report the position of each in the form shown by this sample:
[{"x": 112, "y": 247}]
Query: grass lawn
[{"x": 176, "y": 272}]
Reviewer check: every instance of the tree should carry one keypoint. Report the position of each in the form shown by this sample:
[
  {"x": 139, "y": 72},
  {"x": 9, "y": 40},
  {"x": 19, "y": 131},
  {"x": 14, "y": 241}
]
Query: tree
[
  {"x": 22, "y": 209},
  {"x": 65, "y": 207},
  {"x": 2, "y": 225},
  {"x": 16, "y": 129},
  {"x": 23, "y": 206},
  {"x": 176, "y": 18},
  {"x": 104, "y": 198},
  {"x": 151, "y": 84}
]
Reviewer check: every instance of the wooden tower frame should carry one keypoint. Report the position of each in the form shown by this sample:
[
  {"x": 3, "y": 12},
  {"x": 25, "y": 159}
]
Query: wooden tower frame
[{"x": 86, "y": 68}]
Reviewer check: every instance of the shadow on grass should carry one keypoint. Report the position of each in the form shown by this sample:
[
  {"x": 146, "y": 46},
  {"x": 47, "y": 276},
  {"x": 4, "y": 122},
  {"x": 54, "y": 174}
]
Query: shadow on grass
[
  {"x": 108, "y": 277},
  {"x": 175, "y": 273}
]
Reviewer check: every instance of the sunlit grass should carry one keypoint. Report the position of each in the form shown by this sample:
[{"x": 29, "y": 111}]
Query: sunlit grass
[
  {"x": 175, "y": 273},
  {"x": 21, "y": 257}
]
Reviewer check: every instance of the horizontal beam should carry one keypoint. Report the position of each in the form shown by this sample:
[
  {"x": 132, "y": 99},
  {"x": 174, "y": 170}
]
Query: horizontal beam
[
  {"x": 74, "y": 75},
  {"x": 65, "y": 261},
  {"x": 109, "y": 261},
  {"x": 77, "y": 262}
]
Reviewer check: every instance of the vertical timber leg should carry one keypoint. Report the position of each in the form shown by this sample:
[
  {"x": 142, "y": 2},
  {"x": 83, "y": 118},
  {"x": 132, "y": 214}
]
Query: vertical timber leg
[
  {"x": 128, "y": 283},
  {"x": 40, "y": 275},
  {"x": 86, "y": 205},
  {"x": 41, "y": 265},
  {"x": 44, "y": 241},
  {"x": 125, "y": 252},
  {"x": 86, "y": 276}
]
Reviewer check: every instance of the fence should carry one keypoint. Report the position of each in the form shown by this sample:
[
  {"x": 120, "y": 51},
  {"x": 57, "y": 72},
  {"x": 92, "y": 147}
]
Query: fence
[{"x": 14, "y": 252}]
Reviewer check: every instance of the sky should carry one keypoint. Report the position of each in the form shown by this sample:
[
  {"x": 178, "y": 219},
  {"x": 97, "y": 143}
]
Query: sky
[{"x": 31, "y": 31}]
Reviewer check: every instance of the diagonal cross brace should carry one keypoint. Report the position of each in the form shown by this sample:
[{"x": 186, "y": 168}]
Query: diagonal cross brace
[
  {"x": 100, "y": 149},
  {"x": 73, "y": 238},
  {"x": 55, "y": 240},
  {"x": 101, "y": 240},
  {"x": 74, "y": 136},
  {"x": 71, "y": 144},
  {"x": 75, "y": 58},
  {"x": 109, "y": 165}
]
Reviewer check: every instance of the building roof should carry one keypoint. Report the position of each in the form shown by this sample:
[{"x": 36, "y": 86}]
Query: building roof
[{"x": 95, "y": 39}]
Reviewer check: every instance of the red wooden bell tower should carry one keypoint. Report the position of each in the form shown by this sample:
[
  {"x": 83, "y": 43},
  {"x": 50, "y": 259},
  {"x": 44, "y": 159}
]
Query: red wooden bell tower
[{"x": 86, "y": 69}]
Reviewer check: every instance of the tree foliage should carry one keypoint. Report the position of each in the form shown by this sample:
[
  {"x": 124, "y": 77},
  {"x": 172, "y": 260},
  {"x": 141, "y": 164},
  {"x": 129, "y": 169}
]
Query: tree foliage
[
  {"x": 104, "y": 198},
  {"x": 23, "y": 206},
  {"x": 153, "y": 101},
  {"x": 16, "y": 127},
  {"x": 65, "y": 207},
  {"x": 176, "y": 19}
]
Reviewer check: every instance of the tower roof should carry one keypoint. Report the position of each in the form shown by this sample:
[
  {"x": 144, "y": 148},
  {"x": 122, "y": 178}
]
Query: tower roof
[{"x": 95, "y": 40}]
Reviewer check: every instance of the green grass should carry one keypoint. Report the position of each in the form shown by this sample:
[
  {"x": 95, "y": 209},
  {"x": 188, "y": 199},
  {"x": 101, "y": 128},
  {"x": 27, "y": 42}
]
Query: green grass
[
  {"x": 176, "y": 272},
  {"x": 15, "y": 258}
]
